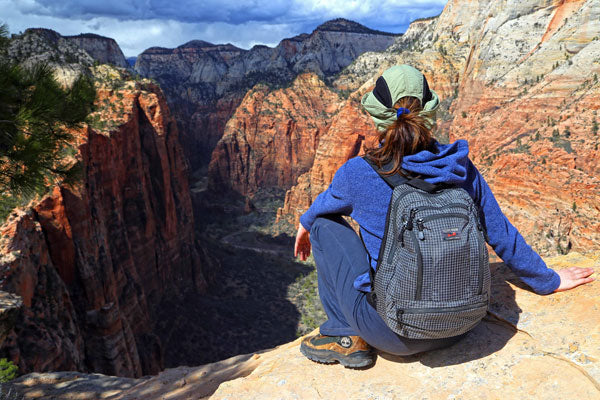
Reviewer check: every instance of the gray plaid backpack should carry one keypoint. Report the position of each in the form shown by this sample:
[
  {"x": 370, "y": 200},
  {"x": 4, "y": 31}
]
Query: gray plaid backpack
[{"x": 433, "y": 278}]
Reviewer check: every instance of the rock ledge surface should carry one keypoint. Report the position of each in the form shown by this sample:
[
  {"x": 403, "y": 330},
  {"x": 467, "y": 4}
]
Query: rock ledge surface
[{"x": 529, "y": 346}]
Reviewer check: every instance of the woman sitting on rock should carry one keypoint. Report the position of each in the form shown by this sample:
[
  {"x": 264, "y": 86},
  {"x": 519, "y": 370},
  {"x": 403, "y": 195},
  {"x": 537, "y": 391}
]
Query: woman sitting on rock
[{"x": 403, "y": 108}]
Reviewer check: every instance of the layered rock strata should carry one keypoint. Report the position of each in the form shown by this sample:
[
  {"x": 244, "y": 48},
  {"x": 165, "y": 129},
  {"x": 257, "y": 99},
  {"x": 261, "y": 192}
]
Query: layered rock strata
[
  {"x": 92, "y": 262},
  {"x": 527, "y": 346},
  {"x": 205, "y": 82},
  {"x": 272, "y": 137},
  {"x": 350, "y": 131}
]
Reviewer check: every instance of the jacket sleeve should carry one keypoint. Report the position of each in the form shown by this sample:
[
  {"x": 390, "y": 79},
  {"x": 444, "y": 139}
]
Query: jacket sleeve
[
  {"x": 506, "y": 240},
  {"x": 334, "y": 200}
]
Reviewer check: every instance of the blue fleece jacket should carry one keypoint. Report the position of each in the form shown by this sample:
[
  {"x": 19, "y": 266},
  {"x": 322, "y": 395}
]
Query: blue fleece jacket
[{"x": 358, "y": 191}]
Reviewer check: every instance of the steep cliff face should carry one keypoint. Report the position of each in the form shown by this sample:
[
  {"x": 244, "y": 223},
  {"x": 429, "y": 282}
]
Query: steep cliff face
[
  {"x": 520, "y": 82},
  {"x": 104, "y": 50},
  {"x": 273, "y": 135},
  {"x": 205, "y": 83},
  {"x": 512, "y": 353},
  {"x": 92, "y": 262},
  {"x": 350, "y": 130}
]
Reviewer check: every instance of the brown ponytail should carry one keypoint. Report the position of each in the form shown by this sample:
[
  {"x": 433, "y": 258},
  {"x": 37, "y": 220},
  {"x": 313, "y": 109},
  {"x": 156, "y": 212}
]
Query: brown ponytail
[{"x": 409, "y": 134}]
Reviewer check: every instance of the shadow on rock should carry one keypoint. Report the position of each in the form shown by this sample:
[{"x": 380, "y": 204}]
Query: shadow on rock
[
  {"x": 491, "y": 335},
  {"x": 245, "y": 310}
]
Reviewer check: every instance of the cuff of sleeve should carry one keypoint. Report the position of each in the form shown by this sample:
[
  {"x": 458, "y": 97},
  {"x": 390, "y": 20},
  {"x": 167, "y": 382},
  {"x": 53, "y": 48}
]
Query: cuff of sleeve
[
  {"x": 362, "y": 283},
  {"x": 551, "y": 286},
  {"x": 306, "y": 221}
]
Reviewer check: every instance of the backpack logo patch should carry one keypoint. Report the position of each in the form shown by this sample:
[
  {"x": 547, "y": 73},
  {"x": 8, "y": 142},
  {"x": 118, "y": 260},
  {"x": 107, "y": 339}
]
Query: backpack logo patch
[{"x": 451, "y": 234}]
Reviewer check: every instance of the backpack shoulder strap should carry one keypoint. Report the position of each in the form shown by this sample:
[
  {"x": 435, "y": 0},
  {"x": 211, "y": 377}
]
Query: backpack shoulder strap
[{"x": 397, "y": 179}]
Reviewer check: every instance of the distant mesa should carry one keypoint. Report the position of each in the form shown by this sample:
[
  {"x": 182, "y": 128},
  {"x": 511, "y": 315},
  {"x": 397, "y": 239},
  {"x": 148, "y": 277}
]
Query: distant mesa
[
  {"x": 48, "y": 34},
  {"x": 197, "y": 43},
  {"x": 101, "y": 48},
  {"x": 88, "y": 35},
  {"x": 345, "y": 25},
  {"x": 205, "y": 86},
  {"x": 204, "y": 45},
  {"x": 200, "y": 46}
]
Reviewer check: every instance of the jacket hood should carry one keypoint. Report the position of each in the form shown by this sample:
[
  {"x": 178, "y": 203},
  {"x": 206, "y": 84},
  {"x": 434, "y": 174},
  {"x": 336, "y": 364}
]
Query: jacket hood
[{"x": 448, "y": 164}]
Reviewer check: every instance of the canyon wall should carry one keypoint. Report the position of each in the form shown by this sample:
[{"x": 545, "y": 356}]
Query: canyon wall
[
  {"x": 520, "y": 82},
  {"x": 529, "y": 108},
  {"x": 205, "y": 82},
  {"x": 272, "y": 137},
  {"x": 351, "y": 129},
  {"x": 92, "y": 262}
]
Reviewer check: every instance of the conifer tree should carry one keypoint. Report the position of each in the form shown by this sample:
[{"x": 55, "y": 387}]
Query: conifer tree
[{"x": 36, "y": 117}]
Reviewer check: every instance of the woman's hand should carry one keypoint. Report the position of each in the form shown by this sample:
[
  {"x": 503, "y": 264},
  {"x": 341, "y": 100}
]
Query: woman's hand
[
  {"x": 302, "y": 246},
  {"x": 573, "y": 277}
]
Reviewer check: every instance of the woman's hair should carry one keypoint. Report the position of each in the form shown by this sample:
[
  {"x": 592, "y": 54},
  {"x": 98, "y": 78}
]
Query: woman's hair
[{"x": 409, "y": 134}]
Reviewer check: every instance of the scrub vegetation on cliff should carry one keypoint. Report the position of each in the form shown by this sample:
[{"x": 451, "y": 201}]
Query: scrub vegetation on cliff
[{"x": 37, "y": 116}]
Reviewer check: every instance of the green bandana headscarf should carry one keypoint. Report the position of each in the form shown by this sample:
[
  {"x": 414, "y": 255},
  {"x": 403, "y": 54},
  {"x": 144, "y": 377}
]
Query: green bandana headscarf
[{"x": 402, "y": 80}]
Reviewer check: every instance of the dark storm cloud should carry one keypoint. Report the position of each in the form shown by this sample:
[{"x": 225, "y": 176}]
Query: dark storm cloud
[
  {"x": 383, "y": 12},
  {"x": 233, "y": 12}
]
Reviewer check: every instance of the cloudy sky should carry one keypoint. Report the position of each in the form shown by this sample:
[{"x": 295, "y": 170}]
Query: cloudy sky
[{"x": 139, "y": 24}]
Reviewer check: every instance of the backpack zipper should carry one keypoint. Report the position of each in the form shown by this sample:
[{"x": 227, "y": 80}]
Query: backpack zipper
[
  {"x": 444, "y": 215},
  {"x": 407, "y": 225},
  {"x": 419, "y": 265},
  {"x": 481, "y": 262},
  {"x": 450, "y": 205},
  {"x": 442, "y": 310},
  {"x": 420, "y": 227}
]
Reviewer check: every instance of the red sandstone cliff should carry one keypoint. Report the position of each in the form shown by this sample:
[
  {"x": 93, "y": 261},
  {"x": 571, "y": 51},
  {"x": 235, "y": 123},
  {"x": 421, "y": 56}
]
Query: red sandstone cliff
[
  {"x": 92, "y": 262},
  {"x": 530, "y": 113},
  {"x": 350, "y": 130},
  {"x": 273, "y": 135}
]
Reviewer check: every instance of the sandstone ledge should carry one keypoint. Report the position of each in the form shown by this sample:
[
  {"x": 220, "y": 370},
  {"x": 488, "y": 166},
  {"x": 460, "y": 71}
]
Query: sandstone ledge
[{"x": 529, "y": 346}]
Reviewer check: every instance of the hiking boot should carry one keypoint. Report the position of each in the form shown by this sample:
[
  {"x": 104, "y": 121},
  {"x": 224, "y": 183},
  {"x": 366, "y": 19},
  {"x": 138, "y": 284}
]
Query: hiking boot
[{"x": 350, "y": 351}]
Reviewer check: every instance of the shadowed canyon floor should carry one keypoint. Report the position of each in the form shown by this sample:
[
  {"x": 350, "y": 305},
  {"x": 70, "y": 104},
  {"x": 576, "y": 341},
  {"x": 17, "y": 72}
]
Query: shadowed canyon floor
[
  {"x": 528, "y": 346},
  {"x": 247, "y": 309},
  {"x": 260, "y": 298}
]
